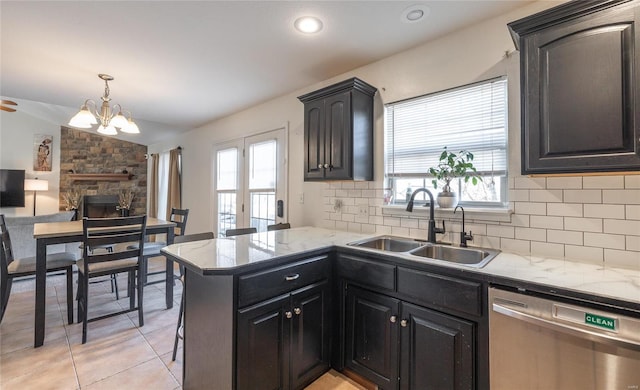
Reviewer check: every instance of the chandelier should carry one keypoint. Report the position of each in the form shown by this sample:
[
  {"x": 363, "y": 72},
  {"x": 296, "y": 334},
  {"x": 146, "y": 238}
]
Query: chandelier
[{"x": 110, "y": 119}]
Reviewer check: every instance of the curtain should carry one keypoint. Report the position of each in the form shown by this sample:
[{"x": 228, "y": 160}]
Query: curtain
[
  {"x": 153, "y": 177},
  {"x": 174, "y": 198}
]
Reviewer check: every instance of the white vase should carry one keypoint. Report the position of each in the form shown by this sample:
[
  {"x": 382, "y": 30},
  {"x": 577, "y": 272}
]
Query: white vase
[{"x": 447, "y": 200}]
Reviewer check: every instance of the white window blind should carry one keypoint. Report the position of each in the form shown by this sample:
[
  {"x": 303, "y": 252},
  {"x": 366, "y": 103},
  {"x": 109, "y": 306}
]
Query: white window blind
[{"x": 471, "y": 117}]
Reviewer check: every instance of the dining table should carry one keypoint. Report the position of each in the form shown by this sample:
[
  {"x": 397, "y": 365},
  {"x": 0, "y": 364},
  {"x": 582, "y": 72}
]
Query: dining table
[{"x": 50, "y": 233}]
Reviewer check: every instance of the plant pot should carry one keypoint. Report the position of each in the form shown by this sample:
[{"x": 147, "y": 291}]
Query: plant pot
[
  {"x": 124, "y": 212},
  {"x": 447, "y": 200}
]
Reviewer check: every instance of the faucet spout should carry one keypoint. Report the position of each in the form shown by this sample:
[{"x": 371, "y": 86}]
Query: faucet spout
[
  {"x": 432, "y": 223},
  {"x": 464, "y": 237}
]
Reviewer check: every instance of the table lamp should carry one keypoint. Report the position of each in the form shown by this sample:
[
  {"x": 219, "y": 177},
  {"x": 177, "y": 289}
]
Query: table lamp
[{"x": 35, "y": 185}]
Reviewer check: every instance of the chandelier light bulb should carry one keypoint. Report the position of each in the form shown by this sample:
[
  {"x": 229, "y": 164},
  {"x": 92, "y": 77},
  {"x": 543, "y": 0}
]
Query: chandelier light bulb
[
  {"x": 130, "y": 128},
  {"x": 119, "y": 121}
]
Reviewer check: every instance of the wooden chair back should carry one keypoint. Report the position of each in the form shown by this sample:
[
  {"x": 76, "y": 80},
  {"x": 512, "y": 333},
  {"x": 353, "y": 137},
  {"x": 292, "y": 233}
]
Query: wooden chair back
[
  {"x": 239, "y": 231},
  {"x": 279, "y": 226},
  {"x": 179, "y": 216},
  {"x": 6, "y": 254},
  {"x": 193, "y": 237}
]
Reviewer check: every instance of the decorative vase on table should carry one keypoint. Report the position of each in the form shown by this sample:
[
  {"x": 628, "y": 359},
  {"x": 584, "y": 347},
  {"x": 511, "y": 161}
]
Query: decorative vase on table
[{"x": 124, "y": 212}]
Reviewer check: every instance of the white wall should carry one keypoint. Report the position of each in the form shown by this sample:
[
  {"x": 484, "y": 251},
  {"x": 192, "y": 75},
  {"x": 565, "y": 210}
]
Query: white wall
[
  {"x": 473, "y": 54},
  {"x": 17, "y": 130}
]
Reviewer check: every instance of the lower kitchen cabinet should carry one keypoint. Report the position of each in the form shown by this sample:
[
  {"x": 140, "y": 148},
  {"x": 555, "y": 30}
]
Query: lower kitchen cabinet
[
  {"x": 284, "y": 342},
  {"x": 437, "y": 350}
]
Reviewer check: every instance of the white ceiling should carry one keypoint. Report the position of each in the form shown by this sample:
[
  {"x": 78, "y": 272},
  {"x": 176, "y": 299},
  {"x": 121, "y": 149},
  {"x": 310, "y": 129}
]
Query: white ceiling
[{"x": 182, "y": 64}]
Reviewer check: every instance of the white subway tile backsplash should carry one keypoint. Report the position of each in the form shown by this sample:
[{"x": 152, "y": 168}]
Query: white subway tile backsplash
[
  {"x": 501, "y": 231},
  {"x": 564, "y": 182},
  {"x": 546, "y": 222},
  {"x": 591, "y": 218},
  {"x": 529, "y": 182},
  {"x": 519, "y": 195},
  {"x": 612, "y": 241},
  {"x": 565, "y": 209},
  {"x": 531, "y": 234},
  {"x": 632, "y": 181},
  {"x": 583, "y": 196},
  {"x": 565, "y": 237},
  {"x": 633, "y": 243},
  {"x": 614, "y": 211},
  {"x": 583, "y": 224},
  {"x": 621, "y": 196},
  {"x": 623, "y": 259},
  {"x": 618, "y": 226},
  {"x": 632, "y": 212},
  {"x": 584, "y": 254},
  {"x": 608, "y": 182},
  {"x": 547, "y": 249},
  {"x": 531, "y": 208},
  {"x": 516, "y": 246},
  {"x": 545, "y": 195}
]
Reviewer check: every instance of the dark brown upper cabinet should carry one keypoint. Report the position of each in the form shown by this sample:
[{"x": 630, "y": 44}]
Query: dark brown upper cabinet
[
  {"x": 580, "y": 91},
  {"x": 338, "y": 132}
]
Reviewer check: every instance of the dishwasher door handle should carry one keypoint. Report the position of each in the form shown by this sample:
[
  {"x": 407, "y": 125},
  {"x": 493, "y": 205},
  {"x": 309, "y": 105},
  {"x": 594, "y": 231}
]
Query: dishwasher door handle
[{"x": 565, "y": 328}]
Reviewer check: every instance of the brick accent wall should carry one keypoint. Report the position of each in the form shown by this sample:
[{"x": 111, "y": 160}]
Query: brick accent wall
[
  {"x": 85, "y": 152},
  {"x": 590, "y": 219}
]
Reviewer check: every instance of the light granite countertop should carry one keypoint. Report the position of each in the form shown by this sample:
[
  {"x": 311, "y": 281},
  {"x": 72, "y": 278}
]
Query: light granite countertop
[{"x": 234, "y": 254}]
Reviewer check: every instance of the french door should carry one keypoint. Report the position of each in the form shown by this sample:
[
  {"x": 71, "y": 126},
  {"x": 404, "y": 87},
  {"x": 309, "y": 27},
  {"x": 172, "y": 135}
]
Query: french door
[{"x": 250, "y": 182}]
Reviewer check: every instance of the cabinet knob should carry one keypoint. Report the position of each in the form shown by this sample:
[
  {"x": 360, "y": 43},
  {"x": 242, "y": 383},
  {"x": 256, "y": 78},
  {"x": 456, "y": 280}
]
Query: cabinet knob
[
  {"x": 403, "y": 323},
  {"x": 288, "y": 314},
  {"x": 326, "y": 166},
  {"x": 319, "y": 166},
  {"x": 393, "y": 319},
  {"x": 297, "y": 310}
]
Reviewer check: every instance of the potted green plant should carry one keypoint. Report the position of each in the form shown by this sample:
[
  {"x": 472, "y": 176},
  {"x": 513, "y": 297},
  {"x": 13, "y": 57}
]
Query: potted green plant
[{"x": 452, "y": 166}]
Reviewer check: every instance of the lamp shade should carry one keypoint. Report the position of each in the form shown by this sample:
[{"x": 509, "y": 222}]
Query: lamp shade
[
  {"x": 36, "y": 185},
  {"x": 83, "y": 119}
]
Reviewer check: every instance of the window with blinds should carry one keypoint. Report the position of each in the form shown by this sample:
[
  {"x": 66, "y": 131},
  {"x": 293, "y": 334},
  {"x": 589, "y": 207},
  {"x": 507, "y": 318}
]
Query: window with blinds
[{"x": 472, "y": 117}]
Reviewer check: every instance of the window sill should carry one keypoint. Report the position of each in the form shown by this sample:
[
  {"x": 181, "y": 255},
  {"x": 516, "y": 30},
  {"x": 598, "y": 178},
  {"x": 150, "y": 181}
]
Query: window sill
[{"x": 476, "y": 213}]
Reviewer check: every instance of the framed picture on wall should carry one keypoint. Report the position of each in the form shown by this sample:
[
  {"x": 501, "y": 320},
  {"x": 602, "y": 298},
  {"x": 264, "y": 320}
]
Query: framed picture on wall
[{"x": 42, "y": 150}]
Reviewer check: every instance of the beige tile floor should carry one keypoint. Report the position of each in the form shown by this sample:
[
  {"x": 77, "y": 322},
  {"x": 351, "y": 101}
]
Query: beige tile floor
[{"x": 118, "y": 354}]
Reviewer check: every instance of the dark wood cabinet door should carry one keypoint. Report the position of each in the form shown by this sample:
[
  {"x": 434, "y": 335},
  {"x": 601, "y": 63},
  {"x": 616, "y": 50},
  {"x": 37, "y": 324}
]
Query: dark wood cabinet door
[
  {"x": 338, "y": 144},
  {"x": 262, "y": 346},
  {"x": 580, "y": 90},
  {"x": 371, "y": 339},
  {"x": 311, "y": 334},
  {"x": 314, "y": 139},
  {"x": 437, "y": 350}
]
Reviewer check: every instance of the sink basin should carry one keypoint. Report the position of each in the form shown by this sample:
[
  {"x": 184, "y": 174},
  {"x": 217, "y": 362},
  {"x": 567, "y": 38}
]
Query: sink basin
[
  {"x": 389, "y": 243},
  {"x": 474, "y": 257}
]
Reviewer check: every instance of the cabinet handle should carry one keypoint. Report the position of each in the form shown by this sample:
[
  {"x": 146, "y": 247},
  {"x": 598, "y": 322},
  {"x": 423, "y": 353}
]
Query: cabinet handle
[
  {"x": 319, "y": 166},
  {"x": 393, "y": 319},
  {"x": 297, "y": 310},
  {"x": 326, "y": 166},
  {"x": 289, "y": 278},
  {"x": 403, "y": 323},
  {"x": 288, "y": 314}
]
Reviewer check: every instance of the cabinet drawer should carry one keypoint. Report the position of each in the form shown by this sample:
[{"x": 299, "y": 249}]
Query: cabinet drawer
[
  {"x": 456, "y": 294},
  {"x": 366, "y": 272},
  {"x": 263, "y": 285}
]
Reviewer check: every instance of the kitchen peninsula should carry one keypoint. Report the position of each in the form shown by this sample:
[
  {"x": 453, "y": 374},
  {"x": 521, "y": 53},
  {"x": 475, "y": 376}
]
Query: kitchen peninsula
[{"x": 272, "y": 307}]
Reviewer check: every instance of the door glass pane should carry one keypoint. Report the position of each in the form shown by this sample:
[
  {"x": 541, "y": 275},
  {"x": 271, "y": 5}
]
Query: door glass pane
[
  {"x": 262, "y": 165},
  {"x": 226, "y": 211},
  {"x": 227, "y": 169},
  {"x": 263, "y": 210}
]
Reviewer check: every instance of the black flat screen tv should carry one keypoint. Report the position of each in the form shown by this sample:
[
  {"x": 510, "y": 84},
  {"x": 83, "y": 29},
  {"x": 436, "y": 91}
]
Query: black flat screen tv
[{"x": 11, "y": 187}]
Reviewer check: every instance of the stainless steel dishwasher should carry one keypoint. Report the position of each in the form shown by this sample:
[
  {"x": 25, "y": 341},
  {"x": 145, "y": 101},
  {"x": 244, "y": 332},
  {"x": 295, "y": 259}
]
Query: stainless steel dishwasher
[{"x": 537, "y": 343}]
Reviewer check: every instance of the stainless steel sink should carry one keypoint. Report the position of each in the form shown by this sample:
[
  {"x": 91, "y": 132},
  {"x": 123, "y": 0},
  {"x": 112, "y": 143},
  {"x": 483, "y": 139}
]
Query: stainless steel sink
[
  {"x": 473, "y": 257},
  {"x": 389, "y": 243}
]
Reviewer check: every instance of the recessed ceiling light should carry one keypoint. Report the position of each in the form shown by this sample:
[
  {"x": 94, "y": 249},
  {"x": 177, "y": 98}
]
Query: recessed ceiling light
[
  {"x": 415, "y": 13},
  {"x": 308, "y": 24}
]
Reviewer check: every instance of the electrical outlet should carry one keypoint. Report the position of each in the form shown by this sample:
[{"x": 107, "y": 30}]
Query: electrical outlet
[
  {"x": 363, "y": 210},
  {"x": 301, "y": 198}
]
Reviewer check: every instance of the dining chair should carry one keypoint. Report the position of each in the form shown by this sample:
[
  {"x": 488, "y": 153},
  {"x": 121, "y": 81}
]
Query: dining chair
[
  {"x": 240, "y": 231},
  {"x": 279, "y": 226},
  {"x": 11, "y": 268},
  {"x": 179, "y": 328},
  {"x": 116, "y": 232},
  {"x": 152, "y": 248}
]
